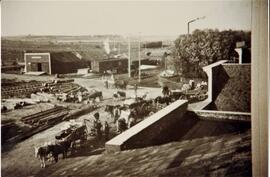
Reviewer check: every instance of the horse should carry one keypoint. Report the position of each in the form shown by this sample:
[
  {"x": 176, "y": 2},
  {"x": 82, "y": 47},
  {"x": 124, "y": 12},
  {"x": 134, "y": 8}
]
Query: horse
[
  {"x": 59, "y": 148},
  {"x": 121, "y": 94},
  {"x": 42, "y": 153},
  {"x": 162, "y": 100},
  {"x": 121, "y": 125},
  {"x": 116, "y": 96},
  {"x": 121, "y": 84}
]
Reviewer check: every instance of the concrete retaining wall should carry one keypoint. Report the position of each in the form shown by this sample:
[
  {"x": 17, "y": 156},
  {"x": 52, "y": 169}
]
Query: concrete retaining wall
[
  {"x": 149, "y": 132},
  {"x": 235, "y": 95},
  {"x": 223, "y": 115},
  {"x": 229, "y": 86}
]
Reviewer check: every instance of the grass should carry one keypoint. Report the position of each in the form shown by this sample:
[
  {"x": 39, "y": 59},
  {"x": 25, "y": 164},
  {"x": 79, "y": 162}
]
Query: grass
[{"x": 152, "y": 80}]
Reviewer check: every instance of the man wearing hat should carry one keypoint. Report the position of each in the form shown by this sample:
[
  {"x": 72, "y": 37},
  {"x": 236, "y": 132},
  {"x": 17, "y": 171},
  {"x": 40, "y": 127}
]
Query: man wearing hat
[{"x": 97, "y": 125}]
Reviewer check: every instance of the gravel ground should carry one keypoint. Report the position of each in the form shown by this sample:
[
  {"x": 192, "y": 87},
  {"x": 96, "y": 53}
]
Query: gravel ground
[{"x": 19, "y": 160}]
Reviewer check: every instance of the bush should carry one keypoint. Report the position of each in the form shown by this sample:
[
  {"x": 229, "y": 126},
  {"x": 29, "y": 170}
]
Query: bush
[{"x": 203, "y": 47}]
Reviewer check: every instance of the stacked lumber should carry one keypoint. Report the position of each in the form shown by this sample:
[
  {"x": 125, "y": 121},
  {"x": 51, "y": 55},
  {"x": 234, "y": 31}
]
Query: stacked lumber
[
  {"x": 45, "y": 117},
  {"x": 20, "y": 89}
]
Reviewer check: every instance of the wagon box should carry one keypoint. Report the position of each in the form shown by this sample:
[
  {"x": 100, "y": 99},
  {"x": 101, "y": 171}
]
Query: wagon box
[{"x": 95, "y": 94}]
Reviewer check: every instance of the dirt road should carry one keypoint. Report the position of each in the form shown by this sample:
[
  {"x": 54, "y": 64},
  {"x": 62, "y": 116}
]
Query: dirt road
[{"x": 19, "y": 160}]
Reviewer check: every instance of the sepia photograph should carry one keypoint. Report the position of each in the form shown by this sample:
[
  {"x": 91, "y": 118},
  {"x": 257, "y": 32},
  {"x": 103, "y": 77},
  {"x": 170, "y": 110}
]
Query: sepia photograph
[{"x": 134, "y": 88}]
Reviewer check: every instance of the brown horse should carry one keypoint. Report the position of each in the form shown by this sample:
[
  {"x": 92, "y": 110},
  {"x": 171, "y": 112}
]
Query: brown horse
[{"x": 43, "y": 152}]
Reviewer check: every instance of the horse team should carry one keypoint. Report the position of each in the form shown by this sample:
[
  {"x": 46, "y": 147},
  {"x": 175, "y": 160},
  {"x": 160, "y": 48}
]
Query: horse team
[
  {"x": 127, "y": 116},
  {"x": 64, "y": 142}
]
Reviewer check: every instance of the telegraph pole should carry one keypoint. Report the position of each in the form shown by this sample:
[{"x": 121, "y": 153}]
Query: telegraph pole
[
  {"x": 139, "y": 57},
  {"x": 119, "y": 48},
  {"x": 129, "y": 59}
]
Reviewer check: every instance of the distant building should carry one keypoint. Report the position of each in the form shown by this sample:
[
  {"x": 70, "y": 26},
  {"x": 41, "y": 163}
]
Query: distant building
[
  {"x": 54, "y": 62},
  {"x": 244, "y": 54},
  {"x": 145, "y": 61},
  {"x": 14, "y": 69},
  {"x": 157, "y": 55},
  {"x": 116, "y": 65}
]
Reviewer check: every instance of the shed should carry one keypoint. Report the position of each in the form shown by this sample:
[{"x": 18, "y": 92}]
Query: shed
[
  {"x": 116, "y": 65},
  {"x": 54, "y": 62}
]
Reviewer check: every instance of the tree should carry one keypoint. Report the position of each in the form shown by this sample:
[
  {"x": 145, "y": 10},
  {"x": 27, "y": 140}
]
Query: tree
[{"x": 203, "y": 47}]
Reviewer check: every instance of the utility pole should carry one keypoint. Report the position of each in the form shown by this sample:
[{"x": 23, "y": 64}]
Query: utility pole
[
  {"x": 199, "y": 18},
  {"x": 119, "y": 48},
  {"x": 139, "y": 57},
  {"x": 165, "y": 64},
  {"x": 129, "y": 59}
]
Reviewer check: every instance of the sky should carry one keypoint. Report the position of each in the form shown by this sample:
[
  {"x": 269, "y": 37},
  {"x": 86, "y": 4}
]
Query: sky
[{"x": 121, "y": 17}]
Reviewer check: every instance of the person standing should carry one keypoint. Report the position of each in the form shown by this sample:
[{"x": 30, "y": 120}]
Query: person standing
[
  {"x": 97, "y": 125},
  {"x": 106, "y": 131},
  {"x": 106, "y": 83},
  {"x": 165, "y": 91},
  {"x": 135, "y": 89},
  {"x": 116, "y": 113}
]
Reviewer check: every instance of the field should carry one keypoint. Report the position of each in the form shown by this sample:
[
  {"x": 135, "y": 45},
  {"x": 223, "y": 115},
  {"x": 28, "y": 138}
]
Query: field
[{"x": 89, "y": 47}]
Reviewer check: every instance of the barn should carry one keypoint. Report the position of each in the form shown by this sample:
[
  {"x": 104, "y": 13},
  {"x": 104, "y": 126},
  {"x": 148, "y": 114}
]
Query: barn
[
  {"x": 116, "y": 65},
  {"x": 54, "y": 62}
]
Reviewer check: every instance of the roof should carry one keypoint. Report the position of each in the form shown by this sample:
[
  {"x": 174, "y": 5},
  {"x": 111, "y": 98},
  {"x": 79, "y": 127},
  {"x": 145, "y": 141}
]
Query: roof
[
  {"x": 93, "y": 55},
  {"x": 110, "y": 59},
  {"x": 65, "y": 57},
  {"x": 61, "y": 56}
]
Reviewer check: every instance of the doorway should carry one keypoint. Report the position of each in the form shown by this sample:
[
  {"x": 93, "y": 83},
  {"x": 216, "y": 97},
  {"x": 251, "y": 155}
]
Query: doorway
[{"x": 39, "y": 67}]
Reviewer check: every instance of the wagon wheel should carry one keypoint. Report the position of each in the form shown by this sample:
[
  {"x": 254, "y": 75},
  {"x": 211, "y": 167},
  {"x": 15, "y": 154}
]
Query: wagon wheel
[{"x": 83, "y": 139}]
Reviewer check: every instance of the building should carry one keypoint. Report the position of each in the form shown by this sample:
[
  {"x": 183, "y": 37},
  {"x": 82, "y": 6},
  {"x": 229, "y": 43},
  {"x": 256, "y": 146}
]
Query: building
[
  {"x": 11, "y": 61},
  {"x": 54, "y": 62},
  {"x": 157, "y": 55},
  {"x": 116, "y": 65},
  {"x": 12, "y": 69},
  {"x": 243, "y": 51}
]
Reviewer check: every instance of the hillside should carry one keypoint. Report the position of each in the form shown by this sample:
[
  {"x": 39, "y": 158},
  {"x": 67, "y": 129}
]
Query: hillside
[{"x": 226, "y": 155}]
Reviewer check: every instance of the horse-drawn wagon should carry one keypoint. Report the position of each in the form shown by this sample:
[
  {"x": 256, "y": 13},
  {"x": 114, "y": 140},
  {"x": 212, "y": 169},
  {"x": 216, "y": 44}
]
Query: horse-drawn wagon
[
  {"x": 140, "y": 108},
  {"x": 121, "y": 84},
  {"x": 118, "y": 84},
  {"x": 64, "y": 140},
  {"x": 194, "y": 95},
  {"x": 76, "y": 131},
  {"x": 94, "y": 94}
]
